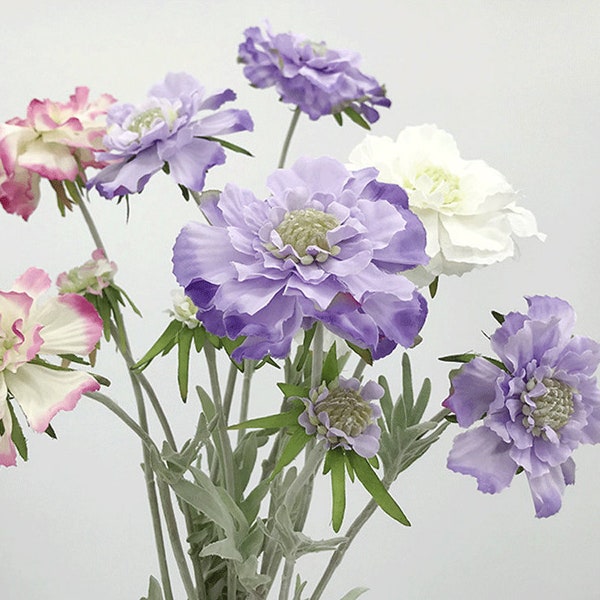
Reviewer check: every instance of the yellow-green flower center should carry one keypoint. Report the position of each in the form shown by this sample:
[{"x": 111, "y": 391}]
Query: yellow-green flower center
[
  {"x": 347, "y": 411},
  {"x": 144, "y": 121},
  {"x": 441, "y": 181},
  {"x": 553, "y": 409},
  {"x": 307, "y": 228}
]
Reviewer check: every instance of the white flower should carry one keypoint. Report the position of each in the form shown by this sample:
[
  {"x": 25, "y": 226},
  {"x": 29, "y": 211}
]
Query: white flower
[
  {"x": 468, "y": 208},
  {"x": 184, "y": 309}
]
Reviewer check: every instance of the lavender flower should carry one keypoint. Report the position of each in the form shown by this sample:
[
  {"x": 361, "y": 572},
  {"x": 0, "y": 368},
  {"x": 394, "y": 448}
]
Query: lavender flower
[
  {"x": 166, "y": 128},
  {"x": 536, "y": 410},
  {"x": 345, "y": 416},
  {"x": 326, "y": 245},
  {"x": 319, "y": 80}
]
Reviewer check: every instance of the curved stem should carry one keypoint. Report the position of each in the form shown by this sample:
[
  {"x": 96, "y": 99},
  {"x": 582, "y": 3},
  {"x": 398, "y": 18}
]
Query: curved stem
[
  {"x": 147, "y": 446},
  {"x": 288, "y": 137}
]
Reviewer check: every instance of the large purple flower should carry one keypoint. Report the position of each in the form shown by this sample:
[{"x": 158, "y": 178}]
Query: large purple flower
[
  {"x": 326, "y": 245},
  {"x": 319, "y": 80},
  {"x": 536, "y": 410},
  {"x": 345, "y": 416},
  {"x": 166, "y": 128}
]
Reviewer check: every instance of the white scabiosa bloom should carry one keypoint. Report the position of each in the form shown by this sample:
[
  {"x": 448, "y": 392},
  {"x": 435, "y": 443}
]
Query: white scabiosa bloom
[{"x": 468, "y": 208}]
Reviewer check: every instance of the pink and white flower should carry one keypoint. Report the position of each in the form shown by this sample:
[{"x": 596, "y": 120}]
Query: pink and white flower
[
  {"x": 90, "y": 278},
  {"x": 56, "y": 141},
  {"x": 30, "y": 326}
]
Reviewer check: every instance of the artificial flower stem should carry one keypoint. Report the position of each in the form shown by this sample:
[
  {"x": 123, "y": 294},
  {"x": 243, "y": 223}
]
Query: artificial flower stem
[
  {"x": 288, "y": 137},
  {"x": 317, "y": 356},
  {"x": 147, "y": 445},
  {"x": 91, "y": 225},
  {"x": 248, "y": 373},
  {"x": 360, "y": 367},
  {"x": 174, "y": 537},
  {"x": 286, "y": 578},
  {"x": 229, "y": 389}
]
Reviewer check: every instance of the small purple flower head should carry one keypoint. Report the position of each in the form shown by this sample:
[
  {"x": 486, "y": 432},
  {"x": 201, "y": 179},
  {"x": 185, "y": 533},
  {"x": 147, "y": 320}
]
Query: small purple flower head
[
  {"x": 536, "y": 411},
  {"x": 319, "y": 80},
  {"x": 326, "y": 245},
  {"x": 166, "y": 128},
  {"x": 345, "y": 416}
]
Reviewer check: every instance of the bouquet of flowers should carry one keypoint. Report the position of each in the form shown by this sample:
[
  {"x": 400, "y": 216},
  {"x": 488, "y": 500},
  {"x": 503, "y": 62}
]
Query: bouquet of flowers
[{"x": 307, "y": 285}]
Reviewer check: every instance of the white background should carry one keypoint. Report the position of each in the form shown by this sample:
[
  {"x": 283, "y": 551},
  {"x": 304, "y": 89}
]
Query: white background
[{"x": 516, "y": 83}]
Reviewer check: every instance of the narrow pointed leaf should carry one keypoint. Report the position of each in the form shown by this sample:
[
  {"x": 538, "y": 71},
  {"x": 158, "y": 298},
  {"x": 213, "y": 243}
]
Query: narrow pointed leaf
[
  {"x": 421, "y": 403},
  {"x": 373, "y": 485},
  {"x": 338, "y": 118},
  {"x": 166, "y": 337},
  {"x": 17, "y": 435},
  {"x": 338, "y": 487},
  {"x": 228, "y": 145},
  {"x": 355, "y": 593},
  {"x": 330, "y": 369},
  {"x": 458, "y": 358},
  {"x": 304, "y": 351},
  {"x": 296, "y": 443},
  {"x": 49, "y": 431},
  {"x": 364, "y": 353},
  {"x": 154, "y": 590},
  {"x": 386, "y": 403},
  {"x": 407, "y": 386},
  {"x": 184, "y": 344},
  {"x": 498, "y": 316},
  {"x": 277, "y": 421},
  {"x": 357, "y": 118},
  {"x": 433, "y": 287}
]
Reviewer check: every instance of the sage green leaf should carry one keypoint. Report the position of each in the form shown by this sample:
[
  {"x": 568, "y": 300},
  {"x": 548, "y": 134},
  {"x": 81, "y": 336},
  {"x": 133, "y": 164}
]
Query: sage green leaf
[
  {"x": 166, "y": 338},
  {"x": 407, "y": 385},
  {"x": 184, "y": 344},
  {"x": 300, "y": 585},
  {"x": 154, "y": 590},
  {"x": 386, "y": 403},
  {"x": 199, "y": 338},
  {"x": 224, "y": 549},
  {"x": 373, "y": 485},
  {"x": 75, "y": 359},
  {"x": 304, "y": 350},
  {"x": 17, "y": 435},
  {"x": 208, "y": 406},
  {"x": 459, "y": 358},
  {"x": 338, "y": 118},
  {"x": 251, "y": 504},
  {"x": 296, "y": 443},
  {"x": 355, "y": 593},
  {"x": 336, "y": 463},
  {"x": 421, "y": 403}
]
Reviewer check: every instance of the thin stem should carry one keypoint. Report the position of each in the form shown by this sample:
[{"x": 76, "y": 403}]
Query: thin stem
[
  {"x": 229, "y": 389},
  {"x": 317, "y": 356},
  {"x": 167, "y": 506},
  {"x": 360, "y": 367},
  {"x": 91, "y": 225},
  {"x": 248, "y": 373},
  {"x": 288, "y": 137},
  {"x": 286, "y": 578},
  {"x": 147, "y": 445},
  {"x": 340, "y": 551}
]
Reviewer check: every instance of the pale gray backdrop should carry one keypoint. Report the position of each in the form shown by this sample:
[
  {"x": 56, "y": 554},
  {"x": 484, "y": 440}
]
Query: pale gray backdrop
[{"x": 517, "y": 83}]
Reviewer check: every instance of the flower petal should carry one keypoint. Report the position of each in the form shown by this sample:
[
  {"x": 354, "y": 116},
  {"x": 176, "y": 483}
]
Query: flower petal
[{"x": 42, "y": 392}]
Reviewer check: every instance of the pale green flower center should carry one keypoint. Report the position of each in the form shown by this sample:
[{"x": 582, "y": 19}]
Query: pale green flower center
[
  {"x": 347, "y": 411},
  {"x": 553, "y": 409},
  {"x": 320, "y": 49},
  {"x": 440, "y": 181},
  {"x": 307, "y": 228},
  {"x": 146, "y": 119}
]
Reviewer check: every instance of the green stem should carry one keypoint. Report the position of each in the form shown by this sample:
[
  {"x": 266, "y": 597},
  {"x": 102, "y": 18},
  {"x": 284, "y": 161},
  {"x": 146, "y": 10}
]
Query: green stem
[
  {"x": 147, "y": 445},
  {"x": 317, "y": 356},
  {"x": 288, "y": 137},
  {"x": 91, "y": 225},
  {"x": 286, "y": 578},
  {"x": 225, "y": 452},
  {"x": 167, "y": 506},
  {"x": 360, "y": 367},
  {"x": 229, "y": 389},
  {"x": 248, "y": 373}
]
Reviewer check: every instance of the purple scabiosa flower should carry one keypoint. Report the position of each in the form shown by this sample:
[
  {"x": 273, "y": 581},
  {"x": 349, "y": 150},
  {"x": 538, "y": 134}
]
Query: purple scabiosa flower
[
  {"x": 326, "y": 245},
  {"x": 536, "y": 410},
  {"x": 167, "y": 128},
  {"x": 345, "y": 416},
  {"x": 319, "y": 80}
]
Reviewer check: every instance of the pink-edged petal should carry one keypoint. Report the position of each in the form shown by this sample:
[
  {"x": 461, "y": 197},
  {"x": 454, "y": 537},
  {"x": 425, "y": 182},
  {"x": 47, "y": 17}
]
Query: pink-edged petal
[
  {"x": 50, "y": 160},
  {"x": 13, "y": 139},
  {"x": 33, "y": 282},
  {"x": 42, "y": 392},
  {"x": 20, "y": 192},
  {"x": 483, "y": 455},
  {"x": 71, "y": 325}
]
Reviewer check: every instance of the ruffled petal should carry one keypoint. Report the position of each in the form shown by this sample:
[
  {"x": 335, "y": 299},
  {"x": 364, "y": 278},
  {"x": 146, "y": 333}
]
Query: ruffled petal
[
  {"x": 547, "y": 490},
  {"x": 71, "y": 325},
  {"x": 42, "y": 392},
  {"x": 483, "y": 455}
]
